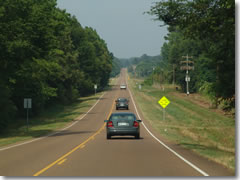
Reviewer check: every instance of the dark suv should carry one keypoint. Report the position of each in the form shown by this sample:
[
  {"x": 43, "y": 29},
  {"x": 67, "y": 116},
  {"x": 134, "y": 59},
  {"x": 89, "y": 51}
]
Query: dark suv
[{"x": 121, "y": 103}]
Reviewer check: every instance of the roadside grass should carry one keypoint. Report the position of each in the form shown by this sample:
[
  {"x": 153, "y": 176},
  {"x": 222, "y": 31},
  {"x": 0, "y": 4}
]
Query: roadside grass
[
  {"x": 51, "y": 120},
  {"x": 188, "y": 124}
]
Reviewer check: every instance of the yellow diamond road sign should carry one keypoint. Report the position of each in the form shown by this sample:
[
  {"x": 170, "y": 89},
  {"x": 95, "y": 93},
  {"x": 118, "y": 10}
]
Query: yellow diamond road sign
[{"x": 164, "y": 102}]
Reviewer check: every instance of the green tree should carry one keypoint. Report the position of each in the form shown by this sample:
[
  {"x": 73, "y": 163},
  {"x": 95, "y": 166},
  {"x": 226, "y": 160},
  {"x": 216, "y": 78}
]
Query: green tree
[
  {"x": 46, "y": 55},
  {"x": 213, "y": 23}
]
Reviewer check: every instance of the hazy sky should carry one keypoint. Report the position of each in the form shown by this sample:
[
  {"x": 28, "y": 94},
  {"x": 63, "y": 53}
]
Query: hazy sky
[{"x": 121, "y": 23}]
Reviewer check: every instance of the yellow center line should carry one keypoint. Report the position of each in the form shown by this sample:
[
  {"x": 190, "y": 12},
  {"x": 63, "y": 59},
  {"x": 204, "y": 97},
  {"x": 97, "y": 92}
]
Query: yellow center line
[
  {"x": 82, "y": 145},
  {"x": 62, "y": 161},
  {"x": 67, "y": 154}
]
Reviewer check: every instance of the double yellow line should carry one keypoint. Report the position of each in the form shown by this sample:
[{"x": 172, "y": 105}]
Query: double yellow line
[{"x": 82, "y": 145}]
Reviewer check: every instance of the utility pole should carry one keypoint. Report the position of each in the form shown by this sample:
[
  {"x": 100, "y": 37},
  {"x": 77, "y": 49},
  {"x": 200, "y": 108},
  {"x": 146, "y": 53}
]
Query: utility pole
[
  {"x": 174, "y": 65},
  {"x": 187, "y": 68},
  {"x": 152, "y": 75}
]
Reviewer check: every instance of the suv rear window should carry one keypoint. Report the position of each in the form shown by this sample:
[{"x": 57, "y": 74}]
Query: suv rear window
[
  {"x": 122, "y": 100},
  {"x": 129, "y": 117}
]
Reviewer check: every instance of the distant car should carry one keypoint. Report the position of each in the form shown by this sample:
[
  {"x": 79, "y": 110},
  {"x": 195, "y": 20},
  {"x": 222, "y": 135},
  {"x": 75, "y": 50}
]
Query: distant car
[
  {"x": 123, "y": 124},
  {"x": 122, "y": 103},
  {"x": 123, "y": 86}
]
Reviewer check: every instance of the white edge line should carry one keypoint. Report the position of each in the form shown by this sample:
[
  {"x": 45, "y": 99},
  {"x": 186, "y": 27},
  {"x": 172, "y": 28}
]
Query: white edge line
[
  {"x": 168, "y": 148},
  {"x": 27, "y": 142}
]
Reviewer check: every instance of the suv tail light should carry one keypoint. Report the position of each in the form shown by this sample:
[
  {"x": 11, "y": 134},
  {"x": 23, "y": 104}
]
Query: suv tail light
[
  {"x": 110, "y": 124},
  {"x": 136, "y": 124}
]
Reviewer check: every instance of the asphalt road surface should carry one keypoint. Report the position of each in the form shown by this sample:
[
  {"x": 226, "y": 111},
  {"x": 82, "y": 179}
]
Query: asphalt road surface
[{"x": 83, "y": 150}]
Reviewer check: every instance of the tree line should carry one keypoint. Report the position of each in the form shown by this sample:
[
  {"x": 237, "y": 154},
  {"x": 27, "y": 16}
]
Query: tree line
[
  {"x": 205, "y": 30},
  {"x": 142, "y": 66},
  {"x": 116, "y": 67},
  {"x": 48, "y": 56}
]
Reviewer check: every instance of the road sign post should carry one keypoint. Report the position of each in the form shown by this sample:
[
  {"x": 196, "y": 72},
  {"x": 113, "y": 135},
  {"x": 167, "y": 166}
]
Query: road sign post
[
  {"x": 27, "y": 103},
  {"x": 164, "y": 102},
  {"x": 95, "y": 87}
]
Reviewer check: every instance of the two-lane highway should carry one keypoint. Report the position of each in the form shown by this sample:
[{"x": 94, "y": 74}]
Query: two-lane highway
[{"x": 83, "y": 150}]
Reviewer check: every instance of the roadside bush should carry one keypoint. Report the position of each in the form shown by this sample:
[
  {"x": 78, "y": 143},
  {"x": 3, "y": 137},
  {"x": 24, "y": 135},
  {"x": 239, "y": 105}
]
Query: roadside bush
[{"x": 7, "y": 108}]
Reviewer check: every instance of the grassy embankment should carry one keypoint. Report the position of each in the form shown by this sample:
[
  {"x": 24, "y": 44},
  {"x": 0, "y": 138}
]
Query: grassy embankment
[
  {"x": 53, "y": 119},
  {"x": 189, "y": 122}
]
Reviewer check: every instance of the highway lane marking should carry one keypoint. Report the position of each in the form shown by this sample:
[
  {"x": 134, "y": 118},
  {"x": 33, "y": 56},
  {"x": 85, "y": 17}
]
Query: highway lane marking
[
  {"x": 80, "y": 146},
  {"x": 168, "y": 148},
  {"x": 62, "y": 161},
  {"x": 68, "y": 153},
  {"x": 27, "y": 142}
]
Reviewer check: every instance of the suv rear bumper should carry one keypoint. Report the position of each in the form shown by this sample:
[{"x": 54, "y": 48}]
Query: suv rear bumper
[
  {"x": 124, "y": 107},
  {"x": 122, "y": 132}
]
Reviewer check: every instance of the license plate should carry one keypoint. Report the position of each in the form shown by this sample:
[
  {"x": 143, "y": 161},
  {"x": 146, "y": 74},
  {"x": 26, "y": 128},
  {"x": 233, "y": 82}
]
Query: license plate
[{"x": 123, "y": 124}]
